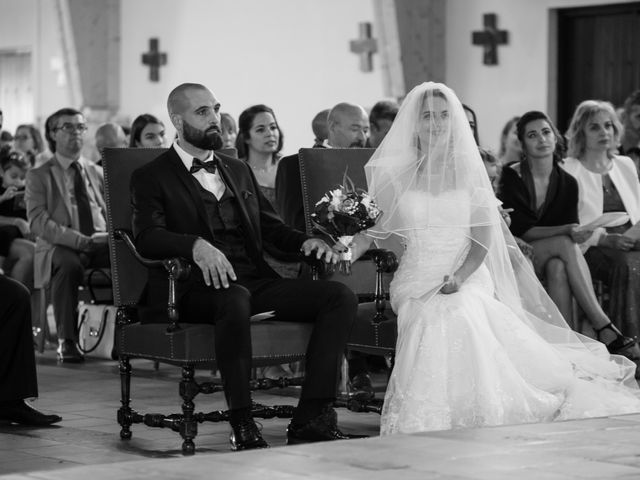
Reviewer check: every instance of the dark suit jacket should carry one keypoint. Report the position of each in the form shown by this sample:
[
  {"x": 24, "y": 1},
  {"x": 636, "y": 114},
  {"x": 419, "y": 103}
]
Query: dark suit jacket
[
  {"x": 289, "y": 192},
  {"x": 560, "y": 206},
  {"x": 169, "y": 216}
]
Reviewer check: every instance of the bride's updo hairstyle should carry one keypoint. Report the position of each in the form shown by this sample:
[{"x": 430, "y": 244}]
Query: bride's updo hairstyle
[{"x": 521, "y": 130}]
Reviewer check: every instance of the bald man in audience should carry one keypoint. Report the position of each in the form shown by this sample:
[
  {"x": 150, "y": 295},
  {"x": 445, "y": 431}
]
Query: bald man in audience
[
  {"x": 347, "y": 127},
  {"x": 320, "y": 128},
  {"x": 110, "y": 135}
]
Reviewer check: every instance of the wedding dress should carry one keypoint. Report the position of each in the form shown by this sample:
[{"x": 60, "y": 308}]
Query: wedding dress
[
  {"x": 461, "y": 359},
  {"x": 493, "y": 349}
]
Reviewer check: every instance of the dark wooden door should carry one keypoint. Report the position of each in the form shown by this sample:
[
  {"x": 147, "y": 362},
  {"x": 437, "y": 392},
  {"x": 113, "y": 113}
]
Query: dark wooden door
[{"x": 598, "y": 55}]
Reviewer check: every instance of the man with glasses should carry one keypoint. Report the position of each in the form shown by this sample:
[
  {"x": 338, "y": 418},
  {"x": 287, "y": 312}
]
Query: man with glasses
[{"x": 66, "y": 210}]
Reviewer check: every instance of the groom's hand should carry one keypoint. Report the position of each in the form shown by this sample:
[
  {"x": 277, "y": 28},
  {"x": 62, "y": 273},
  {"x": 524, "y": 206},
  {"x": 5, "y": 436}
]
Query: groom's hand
[{"x": 216, "y": 269}]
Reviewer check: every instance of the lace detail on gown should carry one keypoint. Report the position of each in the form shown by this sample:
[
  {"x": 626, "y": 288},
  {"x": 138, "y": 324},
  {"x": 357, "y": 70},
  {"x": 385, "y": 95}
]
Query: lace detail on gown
[{"x": 465, "y": 359}]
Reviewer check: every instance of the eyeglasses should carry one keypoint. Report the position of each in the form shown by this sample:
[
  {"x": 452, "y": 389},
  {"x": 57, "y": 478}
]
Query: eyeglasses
[
  {"x": 21, "y": 137},
  {"x": 72, "y": 127}
]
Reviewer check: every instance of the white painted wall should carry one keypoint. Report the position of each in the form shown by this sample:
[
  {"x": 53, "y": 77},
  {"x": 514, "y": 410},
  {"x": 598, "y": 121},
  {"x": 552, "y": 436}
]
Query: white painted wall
[
  {"x": 292, "y": 55},
  {"x": 520, "y": 81},
  {"x": 32, "y": 25}
]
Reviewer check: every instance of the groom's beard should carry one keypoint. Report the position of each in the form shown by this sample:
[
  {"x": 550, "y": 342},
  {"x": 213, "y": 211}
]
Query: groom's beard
[{"x": 209, "y": 139}]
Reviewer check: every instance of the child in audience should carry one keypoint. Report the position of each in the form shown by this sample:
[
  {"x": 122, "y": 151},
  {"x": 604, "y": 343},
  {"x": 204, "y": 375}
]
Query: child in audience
[
  {"x": 229, "y": 130},
  {"x": 16, "y": 249}
]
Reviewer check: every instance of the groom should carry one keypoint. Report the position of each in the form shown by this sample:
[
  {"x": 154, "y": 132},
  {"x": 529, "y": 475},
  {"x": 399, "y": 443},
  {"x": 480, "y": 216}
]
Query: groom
[{"x": 209, "y": 209}]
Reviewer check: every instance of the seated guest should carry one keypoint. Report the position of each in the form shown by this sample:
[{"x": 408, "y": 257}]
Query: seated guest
[
  {"x": 510, "y": 148},
  {"x": 490, "y": 164},
  {"x": 15, "y": 236},
  {"x": 630, "y": 136},
  {"x": 66, "y": 211},
  {"x": 634, "y": 154},
  {"x": 209, "y": 209},
  {"x": 381, "y": 118},
  {"x": 147, "y": 131},
  {"x": 258, "y": 143},
  {"x": 229, "y": 130},
  {"x": 473, "y": 122},
  {"x": 348, "y": 127},
  {"x": 320, "y": 128},
  {"x": 28, "y": 141},
  {"x": 607, "y": 183},
  {"x": 18, "y": 380},
  {"x": 109, "y": 135},
  {"x": 544, "y": 199}
]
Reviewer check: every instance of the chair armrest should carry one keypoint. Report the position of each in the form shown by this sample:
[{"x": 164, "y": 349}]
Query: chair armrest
[
  {"x": 385, "y": 260},
  {"x": 178, "y": 269}
]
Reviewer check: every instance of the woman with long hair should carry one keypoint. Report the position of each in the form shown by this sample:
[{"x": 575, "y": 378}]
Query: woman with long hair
[
  {"x": 545, "y": 202},
  {"x": 147, "y": 131},
  {"x": 259, "y": 142},
  {"x": 479, "y": 341}
]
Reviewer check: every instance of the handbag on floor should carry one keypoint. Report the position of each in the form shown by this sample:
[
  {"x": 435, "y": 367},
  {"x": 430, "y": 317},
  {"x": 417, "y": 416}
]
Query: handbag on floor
[{"x": 96, "y": 330}]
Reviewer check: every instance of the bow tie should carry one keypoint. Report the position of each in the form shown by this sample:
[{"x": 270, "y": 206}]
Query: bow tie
[{"x": 198, "y": 164}]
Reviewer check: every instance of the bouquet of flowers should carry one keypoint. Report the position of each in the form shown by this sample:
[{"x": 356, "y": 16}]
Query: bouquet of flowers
[{"x": 341, "y": 213}]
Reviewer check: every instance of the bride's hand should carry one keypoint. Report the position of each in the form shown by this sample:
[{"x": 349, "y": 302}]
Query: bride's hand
[{"x": 452, "y": 284}]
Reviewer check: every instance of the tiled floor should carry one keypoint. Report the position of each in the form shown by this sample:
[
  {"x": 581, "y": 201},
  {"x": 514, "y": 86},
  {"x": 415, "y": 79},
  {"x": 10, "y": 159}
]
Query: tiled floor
[
  {"x": 87, "y": 397},
  {"x": 86, "y": 444}
]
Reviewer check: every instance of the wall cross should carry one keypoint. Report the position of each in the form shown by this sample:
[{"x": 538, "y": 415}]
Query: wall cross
[{"x": 490, "y": 38}]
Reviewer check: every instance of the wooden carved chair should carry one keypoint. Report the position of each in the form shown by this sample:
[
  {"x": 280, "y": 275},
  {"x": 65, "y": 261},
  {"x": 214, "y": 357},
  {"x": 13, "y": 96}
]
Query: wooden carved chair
[
  {"x": 375, "y": 330},
  {"x": 174, "y": 340}
]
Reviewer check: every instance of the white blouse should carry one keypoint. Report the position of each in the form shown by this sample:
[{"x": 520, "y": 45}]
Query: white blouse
[{"x": 624, "y": 176}]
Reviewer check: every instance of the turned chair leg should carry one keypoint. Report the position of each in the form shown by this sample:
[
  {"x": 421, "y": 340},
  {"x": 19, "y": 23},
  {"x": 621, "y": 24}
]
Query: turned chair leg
[
  {"x": 189, "y": 425},
  {"x": 125, "y": 414}
]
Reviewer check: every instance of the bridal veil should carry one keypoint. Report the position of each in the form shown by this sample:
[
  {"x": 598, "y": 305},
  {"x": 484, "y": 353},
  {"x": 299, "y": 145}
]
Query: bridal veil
[{"x": 430, "y": 148}]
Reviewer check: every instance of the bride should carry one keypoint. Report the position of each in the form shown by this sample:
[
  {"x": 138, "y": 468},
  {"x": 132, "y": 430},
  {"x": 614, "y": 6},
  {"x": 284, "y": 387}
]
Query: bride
[{"x": 479, "y": 341}]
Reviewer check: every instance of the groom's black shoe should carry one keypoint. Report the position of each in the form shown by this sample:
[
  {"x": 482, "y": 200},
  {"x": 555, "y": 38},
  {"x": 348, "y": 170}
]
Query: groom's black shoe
[
  {"x": 322, "y": 428},
  {"x": 245, "y": 434}
]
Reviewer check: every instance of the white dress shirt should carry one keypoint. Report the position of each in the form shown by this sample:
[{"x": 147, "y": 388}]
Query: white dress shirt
[{"x": 212, "y": 182}]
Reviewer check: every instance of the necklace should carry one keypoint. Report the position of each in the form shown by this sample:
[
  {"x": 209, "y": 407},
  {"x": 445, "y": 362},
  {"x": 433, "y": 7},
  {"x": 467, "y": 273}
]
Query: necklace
[
  {"x": 264, "y": 169},
  {"x": 600, "y": 168}
]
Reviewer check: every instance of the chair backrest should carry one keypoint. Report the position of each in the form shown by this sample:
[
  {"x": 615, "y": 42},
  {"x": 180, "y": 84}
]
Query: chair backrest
[
  {"x": 129, "y": 276},
  {"x": 322, "y": 169}
]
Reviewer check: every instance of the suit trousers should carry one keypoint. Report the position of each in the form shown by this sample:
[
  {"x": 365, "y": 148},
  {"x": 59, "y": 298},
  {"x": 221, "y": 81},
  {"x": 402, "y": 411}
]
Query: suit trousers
[
  {"x": 330, "y": 306},
  {"x": 67, "y": 275},
  {"x": 17, "y": 362}
]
